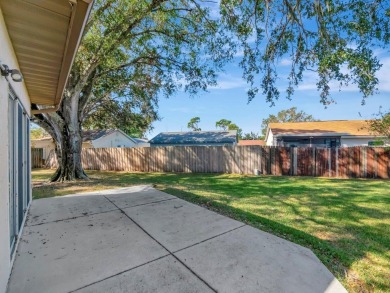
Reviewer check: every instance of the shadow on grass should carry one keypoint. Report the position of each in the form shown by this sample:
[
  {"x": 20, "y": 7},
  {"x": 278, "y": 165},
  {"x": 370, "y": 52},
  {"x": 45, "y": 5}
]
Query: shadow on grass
[{"x": 331, "y": 253}]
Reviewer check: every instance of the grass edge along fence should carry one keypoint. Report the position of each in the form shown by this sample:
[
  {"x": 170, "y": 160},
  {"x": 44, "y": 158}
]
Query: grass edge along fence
[{"x": 350, "y": 162}]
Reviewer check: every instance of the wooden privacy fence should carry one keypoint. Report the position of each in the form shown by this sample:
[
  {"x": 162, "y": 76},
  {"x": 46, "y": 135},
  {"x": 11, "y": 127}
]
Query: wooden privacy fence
[
  {"x": 352, "y": 162},
  {"x": 36, "y": 158}
]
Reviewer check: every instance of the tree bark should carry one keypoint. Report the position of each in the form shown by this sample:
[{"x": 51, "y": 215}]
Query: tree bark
[
  {"x": 65, "y": 128},
  {"x": 69, "y": 156}
]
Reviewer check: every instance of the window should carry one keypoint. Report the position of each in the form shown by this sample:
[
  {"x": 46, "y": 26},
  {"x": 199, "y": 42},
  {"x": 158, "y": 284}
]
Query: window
[{"x": 333, "y": 143}]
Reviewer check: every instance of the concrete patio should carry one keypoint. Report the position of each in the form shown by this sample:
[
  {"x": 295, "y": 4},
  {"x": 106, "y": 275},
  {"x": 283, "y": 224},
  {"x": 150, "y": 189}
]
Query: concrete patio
[{"x": 139, "y": 239}]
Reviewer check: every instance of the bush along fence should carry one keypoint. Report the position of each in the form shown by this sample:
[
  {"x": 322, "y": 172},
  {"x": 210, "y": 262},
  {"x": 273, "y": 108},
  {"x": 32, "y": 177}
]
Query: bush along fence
[{"x": 352, "y": 162}]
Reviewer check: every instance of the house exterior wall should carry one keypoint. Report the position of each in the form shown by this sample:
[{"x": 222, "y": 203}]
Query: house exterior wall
[
  {"x": 143, "y": 145},
  {"x": 46, "y": 144},
  {"x": 270, "y": 139},
  {"x": 351, "y": 141},
  {"x": 196, "y": 144},
  {"x": 113, "y": 140},
  {"x": 7, "y": 56},
  {"x": 344, "y": 141}
]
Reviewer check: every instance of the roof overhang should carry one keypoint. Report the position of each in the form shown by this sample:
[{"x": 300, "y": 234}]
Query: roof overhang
[
  {"x": 361, "y": 136},
  {"x": 267, "y": 133},
  {"x": 45, "y": 35},
  {"x": 310, "y": 134},
  {"x": 327, "y": 134}
]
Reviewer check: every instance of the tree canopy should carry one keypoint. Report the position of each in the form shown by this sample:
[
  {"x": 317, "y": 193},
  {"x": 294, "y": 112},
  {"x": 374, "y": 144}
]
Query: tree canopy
[
  {"x": 380, "y": 126},
  {"x": 193, "y": 124},
  {"x": 135, "y": 51},
  {"x": 223, "y": 124},
  {"x": 251, "y": 136},
  {"x": 132, "y": 53},
  {"x": 334, "y": 39},
  {"x": 37, "y": 132},
  {"x": 288, "y": 115}
]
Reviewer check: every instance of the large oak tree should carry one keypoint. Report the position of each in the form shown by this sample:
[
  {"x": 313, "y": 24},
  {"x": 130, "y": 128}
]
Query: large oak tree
[
  {"x": 333, "y": 39},
  {"x": 132, "y": 51},
  {"x": 136, "y": 50}
]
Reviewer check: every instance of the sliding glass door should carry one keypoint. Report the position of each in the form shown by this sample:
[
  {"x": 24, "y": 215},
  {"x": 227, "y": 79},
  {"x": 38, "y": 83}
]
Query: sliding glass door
[
  {"x": 19, "y": 166},
  {"x": 12, "y": 171}
]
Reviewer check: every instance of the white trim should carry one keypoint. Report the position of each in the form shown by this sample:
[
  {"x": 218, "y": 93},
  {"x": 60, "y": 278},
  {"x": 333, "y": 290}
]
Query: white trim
[
  {"x": 361, "y": 136},
  {"x": 114, "y": 130},
  {"x": 267, "y": 133},
  {"x": 129, "y": 137},
  {"x": 18, "y": 237}
]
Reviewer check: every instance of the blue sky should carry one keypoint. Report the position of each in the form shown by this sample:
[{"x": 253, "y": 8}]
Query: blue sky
[{"x": 229, "y": 100}]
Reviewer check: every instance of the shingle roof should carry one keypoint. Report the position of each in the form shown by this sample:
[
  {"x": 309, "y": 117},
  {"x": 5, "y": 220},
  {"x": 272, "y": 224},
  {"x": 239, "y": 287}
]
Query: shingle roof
[
  {"x": 95, "y": 134},
  {"x": 195, "y": 137},
  {"x": 340, "y": 127},
  {"x": 89, "y": 135},
  {"x": 140, "y": 140},
  {"x": 251, "y": 142}
]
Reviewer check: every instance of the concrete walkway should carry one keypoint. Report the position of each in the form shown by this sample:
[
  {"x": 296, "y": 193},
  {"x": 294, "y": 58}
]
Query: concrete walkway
[{"x": 139, "y": 239}]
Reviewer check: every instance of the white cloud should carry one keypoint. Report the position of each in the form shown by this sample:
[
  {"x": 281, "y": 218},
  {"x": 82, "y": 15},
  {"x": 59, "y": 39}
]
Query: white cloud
[
  {"x": 384, "y": 75},
  {"x": 285, "y": 62},
  {"x": 239, "y": 53},
  {"x": 227, "y": 82}
]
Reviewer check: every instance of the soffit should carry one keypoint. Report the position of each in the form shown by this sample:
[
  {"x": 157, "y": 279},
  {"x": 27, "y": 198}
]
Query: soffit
[{"x": 45, "y": 35}]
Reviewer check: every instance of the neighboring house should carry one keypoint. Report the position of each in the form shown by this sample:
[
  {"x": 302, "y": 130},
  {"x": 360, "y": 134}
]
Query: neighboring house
[
  {"x": 109, "y": 138},
  {"x": 251, "y": 142},
  {"x": 336, "y": 133},
  {"x": 141, "y": 142},
  {"x": 38, "y": 39},
  {"x": 195, "y": 138},
  {"x": 45, "y": 143}
]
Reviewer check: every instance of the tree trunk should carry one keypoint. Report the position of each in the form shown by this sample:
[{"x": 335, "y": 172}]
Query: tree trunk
[
  {"x": 69, "y": 156},
  {"x": 65, "y": 128}
]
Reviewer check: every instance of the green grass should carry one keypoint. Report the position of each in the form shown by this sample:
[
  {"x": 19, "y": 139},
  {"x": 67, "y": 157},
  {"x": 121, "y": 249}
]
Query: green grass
[{"x": 345, "y": 222}]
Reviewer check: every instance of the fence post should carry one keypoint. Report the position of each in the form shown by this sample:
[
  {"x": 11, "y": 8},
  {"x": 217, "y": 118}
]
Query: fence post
[
  {"x": 313, "y": 162},
  {"x": 295, "y": 161},
  {"x": 364, "y": 161},
  {"x": 337, "y": 162},
  {"x": 376, "y": 162}
]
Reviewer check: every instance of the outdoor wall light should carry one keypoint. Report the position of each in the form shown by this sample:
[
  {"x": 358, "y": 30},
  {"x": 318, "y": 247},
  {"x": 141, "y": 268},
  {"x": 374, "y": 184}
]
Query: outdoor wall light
[{"x": 15, "y": 74}]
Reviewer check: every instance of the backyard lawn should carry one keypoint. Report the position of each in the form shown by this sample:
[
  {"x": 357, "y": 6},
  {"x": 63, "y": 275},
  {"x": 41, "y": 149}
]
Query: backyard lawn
[{"x": 345, "y": 222}]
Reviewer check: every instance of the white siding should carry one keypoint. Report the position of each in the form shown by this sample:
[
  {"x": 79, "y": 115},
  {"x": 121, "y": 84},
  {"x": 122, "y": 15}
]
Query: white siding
[
  {"x": 7, "y": 56},
  {"x": 113, "y": 140},
  {"x": 351, "y": 141},
  {"x": 46, "y": 144},
  {"x": 143, "y": 145},
  {"x": 270, "y": 139}
]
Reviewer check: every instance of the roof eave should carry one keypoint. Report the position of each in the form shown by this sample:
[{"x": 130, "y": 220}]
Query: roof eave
[
  {"x": 80, "y": 13},
  {"x": 267, "y": 133}
]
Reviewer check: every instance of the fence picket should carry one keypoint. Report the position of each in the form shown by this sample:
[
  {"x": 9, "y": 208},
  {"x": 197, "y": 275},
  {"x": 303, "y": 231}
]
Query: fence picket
[{"x": 356, "y": 162}]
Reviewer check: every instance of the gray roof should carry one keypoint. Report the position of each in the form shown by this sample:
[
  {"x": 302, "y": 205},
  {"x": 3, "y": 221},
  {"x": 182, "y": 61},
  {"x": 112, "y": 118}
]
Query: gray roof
[
  {"x": 195, "y": 137},
  {"x": 94, "y": 134},
  {"x": 140, "y": 140}
]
